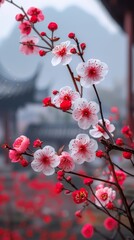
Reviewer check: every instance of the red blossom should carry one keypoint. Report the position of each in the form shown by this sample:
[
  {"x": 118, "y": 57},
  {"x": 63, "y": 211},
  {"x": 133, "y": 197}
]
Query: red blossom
[
  {"x": 110, "y": 224},
  {"x": 80, "y": 196},
  {"x": 87, "y": 231}
]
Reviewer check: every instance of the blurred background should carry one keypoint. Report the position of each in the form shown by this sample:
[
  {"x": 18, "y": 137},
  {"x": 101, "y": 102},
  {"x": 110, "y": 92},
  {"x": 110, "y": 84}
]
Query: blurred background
[{"x": 28, "y": 208}]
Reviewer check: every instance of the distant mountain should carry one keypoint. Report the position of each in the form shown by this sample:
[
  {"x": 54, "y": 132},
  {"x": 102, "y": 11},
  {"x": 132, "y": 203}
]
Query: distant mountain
[{"x": 110, "y": 48}]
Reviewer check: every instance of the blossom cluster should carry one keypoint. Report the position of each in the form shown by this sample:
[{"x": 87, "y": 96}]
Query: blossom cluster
[{"x": 83, "y": 149}]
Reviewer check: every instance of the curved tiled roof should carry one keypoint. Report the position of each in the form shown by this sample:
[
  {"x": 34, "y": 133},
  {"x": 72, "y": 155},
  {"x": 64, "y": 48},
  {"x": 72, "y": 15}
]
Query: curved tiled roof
[
  {"x": 16, "y": 93},
  {"x": 118, "y": 8}
]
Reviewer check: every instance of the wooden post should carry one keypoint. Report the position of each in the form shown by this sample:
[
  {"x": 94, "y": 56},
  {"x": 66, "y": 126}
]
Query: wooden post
[{"x": 128, "y": 25}]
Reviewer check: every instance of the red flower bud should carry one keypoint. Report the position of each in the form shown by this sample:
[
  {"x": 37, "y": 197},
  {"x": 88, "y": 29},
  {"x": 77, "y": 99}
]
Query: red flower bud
[
  {"x": 47, "y": 101},
  {"x": 43, "y": 34},
  {"x": 73, "y": 50},
  {"x": 60, "y": 173},
  {"x": 59, "y": 187},
  {"x": 55, "y": 92},
  {"x": 119, "y": 141},
  {"x": 78, "y": 214},
  {"x": 88, "y": 181},
  {"x": 71, "y": 35},
  {"x": 37, "y": 143},
  {"x": 127, "y": 155},
  {"x": 69, "y": 178},
  {"x": 52, "y": 26},
  {"x": 126, "y": 131},
  {"x": 24, "y": 162},
  {"x": 42, "y": 53},
  {"x": 19, "y": 17},
  {"x": 100, "y": 154},
  {"x": 83, "y": 46},
  {"x": 110, "y": 206}
]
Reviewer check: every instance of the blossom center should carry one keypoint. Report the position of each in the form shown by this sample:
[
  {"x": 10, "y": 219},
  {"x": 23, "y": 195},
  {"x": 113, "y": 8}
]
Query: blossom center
[
  {"x": 82, "y": 148},
  {"x": 45, "y": 160},
  {"x": 62, "y": 52},
  {"x": 86, "y": 112},
  {"x": 67, "y": 98},
  {"x": 92, "y": 72},
  {"x": 29, "y": 44},
  {"x": 18, "y": 142},
  {"x": 104, "y": 196}
]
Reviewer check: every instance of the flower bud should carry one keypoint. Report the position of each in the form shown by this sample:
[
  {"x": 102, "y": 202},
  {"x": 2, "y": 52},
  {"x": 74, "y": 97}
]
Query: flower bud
[
  {"x": 119, "y": 141},
  {"x": 42, "y": 53},
  {"x": 71, "y": 35},
  {"x": 52, "y": 26},
  {"x": 19, "y": 17},
  {"x": 127, "y": 155},
  {"x": 83, "y": 46}
]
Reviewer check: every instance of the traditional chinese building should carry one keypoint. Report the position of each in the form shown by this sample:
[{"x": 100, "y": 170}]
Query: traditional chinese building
[
  {"x": 123, "y": 12},
  {"x": 13, "y": 95}
]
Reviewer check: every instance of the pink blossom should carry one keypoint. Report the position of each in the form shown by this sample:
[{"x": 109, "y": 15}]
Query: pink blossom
[
  {"x": 66, "y": 162},
  {"x": 21, "y": 144},
  {"x": 83, "y": 148},
  {"x": 14, "y": 156},
  {"x": 25, "y": 28},
  {"x": 110, "y": 224},
  {"x": 65, "y": 94},
  {"x": 27, "y": 45},
  {"x": 98, "y": 131},
  {"x": 33, "y": 11},
  {"x": 85, "y": 113},
  {"x": 91, "y": 72},
  {"x": 45, "y": 160},
  {"x": 87, "y": 231},
  {"x": 104, "y": 195},
  {"x": 121, "y": 177},
  {"x": 62, "y": 53},
  {"x": 1, "y": 2}
]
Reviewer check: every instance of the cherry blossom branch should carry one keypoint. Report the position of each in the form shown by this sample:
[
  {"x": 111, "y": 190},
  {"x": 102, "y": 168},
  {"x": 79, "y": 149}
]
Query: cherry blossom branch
[
  {"x": 73, "y": 78},
  {"x": 80, "y": 53},
  {"x": 101, "y": 234},
  {"x": 94, "y": 178},
  {"x": 96, "y": 206},
  {"x": 129, "y": 215},
  {"x": 111, "y": 146},
  {"x": 99, "y": 101},
  {"x": 32, "y": 25},
  {"x": 36, "y": 45},
  {"x": 130, "y": 174}
]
